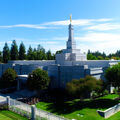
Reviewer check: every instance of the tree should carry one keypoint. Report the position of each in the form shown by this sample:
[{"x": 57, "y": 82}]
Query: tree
[
  {"x": 14, "y": 51},
  {"x": 38, "y": 80},
  {"x": 84, "y": 86},
  {"x": 91, "y": 57},
  {"x": 6, "y": 53},
  {"x": 1, "y": 58},
  {"x": 112, "y": 75},
  {"x": 30, "y": 55},
  {"x": 49, "y": 55},
  {"x": 22, "y": 51},
  {"x": 39, "y": 52},
  {"x": 9, "y": 77}
]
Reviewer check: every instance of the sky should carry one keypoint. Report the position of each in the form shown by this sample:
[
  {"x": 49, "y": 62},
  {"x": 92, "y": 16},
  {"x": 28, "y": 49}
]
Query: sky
[{"x": 45, "y": 22}]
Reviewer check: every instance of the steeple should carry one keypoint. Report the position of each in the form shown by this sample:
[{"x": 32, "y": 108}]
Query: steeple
[
  {"x": 71, "y": 53},
  {"x": 71, "y": 42},
  {"x": 70, "y": 18}
]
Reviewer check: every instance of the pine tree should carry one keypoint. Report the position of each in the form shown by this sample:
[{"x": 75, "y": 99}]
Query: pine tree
[
  {"x": 39, "y": 52},
  {"x": 49, "y": 55},
  {"x": 22, "y": 52},
  {"x": 1, "y": 58},
  {"x": 30, "y": 55},
  {"x": 14, "y": 51},
  {"x": 6, "y": 53}
]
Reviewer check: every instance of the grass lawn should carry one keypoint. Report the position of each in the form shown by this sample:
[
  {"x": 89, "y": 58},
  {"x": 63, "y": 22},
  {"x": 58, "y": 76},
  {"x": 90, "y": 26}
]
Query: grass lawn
[
  {"x": 8, "y": 115},
  {"x": 82, "y": 110}
]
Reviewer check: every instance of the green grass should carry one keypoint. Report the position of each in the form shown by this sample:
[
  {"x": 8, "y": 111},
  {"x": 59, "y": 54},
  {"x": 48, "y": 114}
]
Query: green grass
[
  {"x": 82, "y": 110},
  {"x": 8, "y": 115}
]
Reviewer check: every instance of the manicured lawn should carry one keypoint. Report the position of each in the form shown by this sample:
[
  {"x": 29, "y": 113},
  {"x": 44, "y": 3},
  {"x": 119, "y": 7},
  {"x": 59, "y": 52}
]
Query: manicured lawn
[
  {"x": 8, "y": 115},
  {"x": 82, "y": 110}
]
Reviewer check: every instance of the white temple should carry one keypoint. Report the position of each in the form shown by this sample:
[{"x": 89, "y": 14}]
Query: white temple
[
  {"x": 70, "y": 53},
  {"x": 70, "y": 64}
]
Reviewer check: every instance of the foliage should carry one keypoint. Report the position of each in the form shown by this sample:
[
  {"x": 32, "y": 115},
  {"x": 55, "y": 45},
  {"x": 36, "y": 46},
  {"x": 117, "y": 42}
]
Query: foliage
[
  {"x": 22, "y": 52},
  {"x": 1, "y": 58},
  {"x": 9, "y": 77},
  {"x": 49, "y": 55},
  {"x": 91, "y": 57},
  {"x": 38, "y": 80},
  {"x": 105, "y": 92},
  {"x": 14, "y": 51},
  {"x": 115, "y": 91},
  {"x": 84, "y": 86},
  {"x": 102, "y": 56},
  {"x": 112, "y": 75},
  {"x": 6, "y": 53}
]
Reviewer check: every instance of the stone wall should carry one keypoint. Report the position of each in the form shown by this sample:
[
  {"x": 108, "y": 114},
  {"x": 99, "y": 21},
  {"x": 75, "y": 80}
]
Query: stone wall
[
  {"x": 96, "y": 63},
  {"x": 109, "y": 112},
  {"x": 27, "y": 62}
]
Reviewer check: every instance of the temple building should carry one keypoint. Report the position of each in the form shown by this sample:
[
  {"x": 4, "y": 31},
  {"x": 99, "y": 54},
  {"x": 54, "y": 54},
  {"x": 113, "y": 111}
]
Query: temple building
[
  {"x": 70, "y": 64},
  {"x": 70, "y": 53}
]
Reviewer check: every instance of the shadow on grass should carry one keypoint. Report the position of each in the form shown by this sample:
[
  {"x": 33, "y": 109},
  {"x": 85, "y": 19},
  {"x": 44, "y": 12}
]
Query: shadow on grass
[{"x": 71, "y": 106}]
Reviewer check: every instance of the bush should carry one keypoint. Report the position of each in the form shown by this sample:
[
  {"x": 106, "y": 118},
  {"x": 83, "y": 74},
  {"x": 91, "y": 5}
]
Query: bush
[
  {"x": 105, "y": 92},
  {"x": 84, "y": 86},
  {"x": 9, "y": 77},
  {"x": 38, "y": 80},
  {"x": 94, "y": 94},
  {"x": 115, "y": 91}
]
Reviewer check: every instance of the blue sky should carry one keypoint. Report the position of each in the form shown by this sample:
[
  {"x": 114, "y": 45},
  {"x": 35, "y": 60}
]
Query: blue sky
[{"x": 96, "y": 23}]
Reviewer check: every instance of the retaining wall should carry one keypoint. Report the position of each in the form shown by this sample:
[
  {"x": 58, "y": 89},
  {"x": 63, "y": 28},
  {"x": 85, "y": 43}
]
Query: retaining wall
[{"x": 109, "y": 112}]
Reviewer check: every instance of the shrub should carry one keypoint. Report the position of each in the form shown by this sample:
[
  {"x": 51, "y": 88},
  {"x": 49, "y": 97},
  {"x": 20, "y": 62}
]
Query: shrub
[
  {"x": 105, "y": 92},
  {"x": 84, "y": 86},
  {"x": 115, "y": 91},
  {"x": 9, "y": 77},
  {"x": 38, "y": 80}
]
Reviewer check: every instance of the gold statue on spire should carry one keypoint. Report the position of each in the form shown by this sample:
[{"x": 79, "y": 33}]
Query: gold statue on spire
[{"x": 70, "y": 18}]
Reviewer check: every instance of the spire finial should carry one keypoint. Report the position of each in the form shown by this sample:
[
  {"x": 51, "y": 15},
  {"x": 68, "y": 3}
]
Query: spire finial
[{"x": 70, "y": 18}]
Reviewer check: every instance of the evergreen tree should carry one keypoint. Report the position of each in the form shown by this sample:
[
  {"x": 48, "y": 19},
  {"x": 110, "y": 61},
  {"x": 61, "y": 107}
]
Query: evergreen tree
[
  {"x": 30, "y": 55},
  {"x": 22, "y": 52},
  {"x": 49, "y": 55},
  {"x": 39, "y": 52},
  {"x": 1, "y": 58},
  {"x": 35, "y": 54},
  {"x": 6, "y": 53},
  {"x": 14, "y": 51}
]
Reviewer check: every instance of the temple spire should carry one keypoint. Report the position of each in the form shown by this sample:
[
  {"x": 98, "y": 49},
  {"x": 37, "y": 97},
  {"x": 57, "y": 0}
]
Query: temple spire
[{"x": 70, "y": 18}]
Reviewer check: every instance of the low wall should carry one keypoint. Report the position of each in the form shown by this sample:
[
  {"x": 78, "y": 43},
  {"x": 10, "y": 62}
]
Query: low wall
[{"x": 109, "y": 112}]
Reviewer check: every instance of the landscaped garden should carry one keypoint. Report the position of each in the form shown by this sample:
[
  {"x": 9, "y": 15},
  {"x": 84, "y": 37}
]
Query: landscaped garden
[
  {"x": 82, "y": 110},
  {"x": 8, "y": 115}
]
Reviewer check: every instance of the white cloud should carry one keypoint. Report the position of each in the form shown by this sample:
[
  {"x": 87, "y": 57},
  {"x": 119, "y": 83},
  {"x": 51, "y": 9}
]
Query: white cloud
[
  {"x": 104, "y": 27},
  {"x": 24, "y": 26},
  {"x": 99, "y": 37},
  {"x": 106, "y": 42},
  {"x": 80, "y": 22},
  {"x": 51, "y": 25}
]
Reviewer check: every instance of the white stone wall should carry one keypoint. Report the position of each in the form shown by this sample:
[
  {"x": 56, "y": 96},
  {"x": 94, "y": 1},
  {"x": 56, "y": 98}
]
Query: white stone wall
[{"x": 109, "y": 112}]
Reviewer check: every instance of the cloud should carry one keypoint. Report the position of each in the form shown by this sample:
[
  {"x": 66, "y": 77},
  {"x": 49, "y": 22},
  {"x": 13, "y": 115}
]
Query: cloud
[
  {"x": 104, "y": 27},
  {"x": 99, "y": 37},
  {"x": 24, "y": 26},
  {"x": 80, "y": 22},
  {"x": 54, "y": 24},
  {"x": 107, "y": 42}
]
